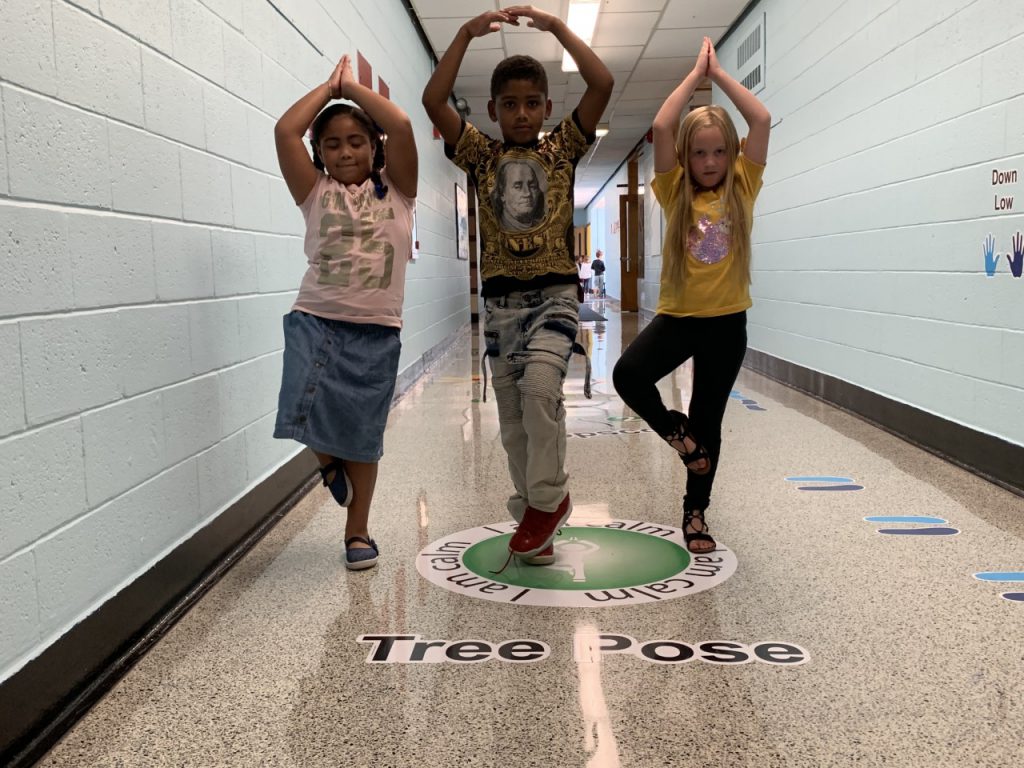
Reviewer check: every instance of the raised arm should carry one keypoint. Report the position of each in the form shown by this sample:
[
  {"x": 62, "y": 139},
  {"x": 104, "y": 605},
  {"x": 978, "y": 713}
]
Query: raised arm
[
  {"x": 439, "y": 87},
  {"x": 593, "y": 71},
  {"x": 759, "y": 120},
  {"x": 402, "y": 160},
  {"x": 666, "y": 122},
  {"x": 296, "y": 165}
]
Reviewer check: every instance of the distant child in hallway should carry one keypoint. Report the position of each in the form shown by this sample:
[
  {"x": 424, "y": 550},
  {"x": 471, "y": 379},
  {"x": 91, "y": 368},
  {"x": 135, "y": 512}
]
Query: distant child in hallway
[
  {"x": 586, "y": 274},
  {"x": 342, "y": 337},
  {"x": 706, "y": 180},
  {"x": 599, "y": 268},
  {"x": 530, "y": 284}
]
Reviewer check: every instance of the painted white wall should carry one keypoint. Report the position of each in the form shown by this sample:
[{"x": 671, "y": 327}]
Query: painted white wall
[
  {"x": 878, "y": 198},
  {"x": 149, "y": 249}
]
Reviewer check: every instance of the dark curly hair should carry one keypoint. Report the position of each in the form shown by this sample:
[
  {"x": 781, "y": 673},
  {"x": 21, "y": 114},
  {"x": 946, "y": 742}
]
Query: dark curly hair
[
  {"x": 519, "y": 68},
  {"x": 373, "y": 131}
]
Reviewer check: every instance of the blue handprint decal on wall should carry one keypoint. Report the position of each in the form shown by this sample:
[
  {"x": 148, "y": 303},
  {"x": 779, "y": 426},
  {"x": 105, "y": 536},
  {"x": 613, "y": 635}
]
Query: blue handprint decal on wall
[
  {"x": 991, "y": 257},
  {"x": 1017, "y": 261}
]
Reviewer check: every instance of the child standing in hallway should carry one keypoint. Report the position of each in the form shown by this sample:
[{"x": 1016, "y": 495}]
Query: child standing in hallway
[
  {"x": 530, "y": 282},
  {"x": 342, "y": 337},
  {"x": 586, "y": 274},
  {"x": 706, "y": 180},
  {"x": 598, "y": 267}
]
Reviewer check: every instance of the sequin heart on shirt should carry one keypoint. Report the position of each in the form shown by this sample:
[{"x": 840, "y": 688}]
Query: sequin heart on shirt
[{"x": 709, "y": 243}]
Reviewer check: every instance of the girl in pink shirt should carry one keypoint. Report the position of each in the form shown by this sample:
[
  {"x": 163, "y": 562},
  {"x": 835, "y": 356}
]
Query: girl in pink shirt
[{"x": 342, "y": 337}]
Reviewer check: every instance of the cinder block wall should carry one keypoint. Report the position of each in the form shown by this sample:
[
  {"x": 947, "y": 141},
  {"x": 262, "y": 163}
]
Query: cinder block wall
[
  {"x": 149, "y": 249},
  {"x": 870, "y": 231}
]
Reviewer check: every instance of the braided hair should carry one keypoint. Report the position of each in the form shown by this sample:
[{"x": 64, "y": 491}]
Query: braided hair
[{"x": 373, "y": 130}]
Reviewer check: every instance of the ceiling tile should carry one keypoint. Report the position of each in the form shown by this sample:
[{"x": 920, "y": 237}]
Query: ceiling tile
[
  {"x": 670, "y": 43},
  {"x": 663, "y": 69},
  {"x": 647, "y": 107},
  {"x": 464, "y": 9},
  {"x": 652, "y": 89},
  {"x": 441, "y": 32},
  {"x": 619, "y": 29},
  {"x": 626, "y": 6},
  {"x": 555, "y": 74},
  {"x": 474, "y": 85},
  {"x": 541, "y": 47},
  {"x": 481, "y": 62},
  {"x": 702, "y": 13},
  {"x": 619, "y": 59},
  {"x": 637, "y": 124}
]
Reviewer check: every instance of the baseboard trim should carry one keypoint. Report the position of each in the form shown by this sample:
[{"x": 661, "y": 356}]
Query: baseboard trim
[
  {"x": 40, "y": 702},
  {"x": 987, "y": 456}
]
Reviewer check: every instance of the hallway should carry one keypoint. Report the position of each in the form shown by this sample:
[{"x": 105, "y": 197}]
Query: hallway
[{"x": 835, "y": 639}]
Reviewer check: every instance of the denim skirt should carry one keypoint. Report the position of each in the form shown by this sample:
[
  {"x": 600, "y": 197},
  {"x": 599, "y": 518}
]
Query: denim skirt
[{"x": 337, "y": 384}]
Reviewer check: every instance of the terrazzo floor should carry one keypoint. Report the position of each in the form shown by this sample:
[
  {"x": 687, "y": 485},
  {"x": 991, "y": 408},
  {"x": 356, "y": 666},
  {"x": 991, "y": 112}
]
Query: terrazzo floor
[{"x": 812, "y": 637}]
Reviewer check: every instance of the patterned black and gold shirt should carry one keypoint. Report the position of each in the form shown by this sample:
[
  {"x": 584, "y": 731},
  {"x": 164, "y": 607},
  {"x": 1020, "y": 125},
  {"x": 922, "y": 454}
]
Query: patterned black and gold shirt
[{"x": 525, "y": 205}]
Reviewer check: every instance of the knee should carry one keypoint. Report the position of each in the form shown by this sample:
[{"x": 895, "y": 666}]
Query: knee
[
  {"x": 509, "y": 401},
  {"x": 621, "y": 378},
  {"x": 542, "y": 382}
]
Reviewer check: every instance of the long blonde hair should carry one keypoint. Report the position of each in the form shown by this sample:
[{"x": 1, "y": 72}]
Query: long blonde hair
[{"x": 680, "y": 218}]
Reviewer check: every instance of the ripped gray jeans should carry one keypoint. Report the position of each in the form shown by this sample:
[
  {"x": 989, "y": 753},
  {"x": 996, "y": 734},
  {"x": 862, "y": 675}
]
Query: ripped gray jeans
[{"x": 529, "y": 337}]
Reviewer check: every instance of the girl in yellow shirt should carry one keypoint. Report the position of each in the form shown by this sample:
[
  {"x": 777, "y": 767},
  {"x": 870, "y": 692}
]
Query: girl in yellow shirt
[{"x": 706, "y": 180}]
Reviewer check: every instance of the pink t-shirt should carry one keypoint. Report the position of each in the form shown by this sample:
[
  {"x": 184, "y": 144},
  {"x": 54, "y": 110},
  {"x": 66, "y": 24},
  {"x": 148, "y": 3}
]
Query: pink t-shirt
[{"x": 357, "y": 247}]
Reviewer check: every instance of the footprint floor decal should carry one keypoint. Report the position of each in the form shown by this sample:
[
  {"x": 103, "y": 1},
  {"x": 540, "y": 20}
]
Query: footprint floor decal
[
  {"x": 825, "y": 483},
  {"x": 934, "y": 526},
  {"x": 748, "y": 402},
  {"x": 1004, "y": 577}
]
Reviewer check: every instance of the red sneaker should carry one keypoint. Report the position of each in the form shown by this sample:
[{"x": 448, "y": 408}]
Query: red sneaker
[
  {"x": 545, "y": 557},
  {"x": 537, "y": 530}
]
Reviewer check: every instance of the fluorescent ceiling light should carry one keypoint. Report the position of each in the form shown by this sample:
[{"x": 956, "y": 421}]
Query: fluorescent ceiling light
[
  {"x": 601, "y": 130},
  {"x": 583, "y": 21}
]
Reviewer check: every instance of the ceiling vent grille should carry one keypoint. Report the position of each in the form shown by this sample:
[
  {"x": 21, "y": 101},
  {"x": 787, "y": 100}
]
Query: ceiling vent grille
[{"x": 750, "y": 58}]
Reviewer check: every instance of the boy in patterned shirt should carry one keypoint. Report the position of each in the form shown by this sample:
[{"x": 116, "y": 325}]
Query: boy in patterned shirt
[{"x": 530, "y": 284}]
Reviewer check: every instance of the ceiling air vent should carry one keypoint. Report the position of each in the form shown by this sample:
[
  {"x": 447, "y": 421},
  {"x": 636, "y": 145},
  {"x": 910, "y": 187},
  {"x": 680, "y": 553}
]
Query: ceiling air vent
[{"x": 750, "y": 59}]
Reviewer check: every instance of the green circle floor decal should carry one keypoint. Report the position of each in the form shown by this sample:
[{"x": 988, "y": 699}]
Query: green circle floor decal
[{"x": 607, "y": 563}]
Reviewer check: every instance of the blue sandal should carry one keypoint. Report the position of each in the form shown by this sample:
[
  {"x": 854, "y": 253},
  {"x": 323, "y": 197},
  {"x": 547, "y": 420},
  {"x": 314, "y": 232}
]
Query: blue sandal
[
  {"x": 359, "y": 558},
  {"x": 340, "y": 487}
]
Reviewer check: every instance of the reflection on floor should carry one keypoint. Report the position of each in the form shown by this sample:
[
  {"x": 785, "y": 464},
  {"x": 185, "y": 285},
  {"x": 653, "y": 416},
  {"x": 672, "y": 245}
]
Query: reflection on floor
[{"x": 824, "y": 632}]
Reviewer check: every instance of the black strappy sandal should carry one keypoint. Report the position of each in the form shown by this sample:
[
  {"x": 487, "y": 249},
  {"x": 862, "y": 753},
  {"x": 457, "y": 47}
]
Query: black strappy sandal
[
  {"x": 677, "y": 439},
  {"x": 695, "y": 518}
]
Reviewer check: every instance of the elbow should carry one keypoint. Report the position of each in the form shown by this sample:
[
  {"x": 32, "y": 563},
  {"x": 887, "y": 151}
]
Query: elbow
[
  {"x": 429, "y": 101},
  {"x": 664, "y": 127},
  {"x": 281, "y": 129},
  {"x": 403, "y": 128}
]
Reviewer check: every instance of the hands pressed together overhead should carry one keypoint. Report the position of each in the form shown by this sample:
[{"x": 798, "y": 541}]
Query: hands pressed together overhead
[
  {"x": 707, "y": 61},
  {"x": 341, "y": 76},
  {"x": 491, "y": 21}
]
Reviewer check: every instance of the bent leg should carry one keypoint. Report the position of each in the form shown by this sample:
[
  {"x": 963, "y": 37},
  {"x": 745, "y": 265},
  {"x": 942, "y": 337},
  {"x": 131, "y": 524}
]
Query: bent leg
[
  {"x": 363, "y": 476},
  {"x": 658, "y": 350}
]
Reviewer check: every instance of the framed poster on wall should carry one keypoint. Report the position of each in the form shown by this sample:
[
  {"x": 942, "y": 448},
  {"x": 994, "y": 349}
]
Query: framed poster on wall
[{"x": 461, "y": 223}]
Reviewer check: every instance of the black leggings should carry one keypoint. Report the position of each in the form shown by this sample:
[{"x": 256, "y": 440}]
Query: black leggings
[{"x": 717, "y": 346}]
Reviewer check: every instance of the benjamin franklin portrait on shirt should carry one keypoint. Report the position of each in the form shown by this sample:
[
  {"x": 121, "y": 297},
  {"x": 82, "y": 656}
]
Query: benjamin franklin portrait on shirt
[{"x": 520, "y": 194}]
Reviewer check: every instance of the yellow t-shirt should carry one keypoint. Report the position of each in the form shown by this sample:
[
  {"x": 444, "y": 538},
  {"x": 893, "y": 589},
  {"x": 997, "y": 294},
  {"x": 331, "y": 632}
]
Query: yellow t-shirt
[{"x": 712, "y": 283}]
